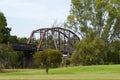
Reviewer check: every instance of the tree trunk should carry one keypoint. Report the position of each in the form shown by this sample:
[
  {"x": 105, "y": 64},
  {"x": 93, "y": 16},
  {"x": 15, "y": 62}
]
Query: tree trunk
[{"x": 47, "y": 70}]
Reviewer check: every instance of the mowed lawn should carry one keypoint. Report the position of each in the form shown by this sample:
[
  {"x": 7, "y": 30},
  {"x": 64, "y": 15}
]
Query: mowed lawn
[{"x": 101, "y": 72}]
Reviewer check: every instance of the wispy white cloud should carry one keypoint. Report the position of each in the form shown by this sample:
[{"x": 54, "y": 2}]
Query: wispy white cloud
[{"x": 33, "y": 12}]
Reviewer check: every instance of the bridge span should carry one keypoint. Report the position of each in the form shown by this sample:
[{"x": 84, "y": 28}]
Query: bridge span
[
  {"x": 41, "y": 39},
  {"x": 55, "y": 38}
]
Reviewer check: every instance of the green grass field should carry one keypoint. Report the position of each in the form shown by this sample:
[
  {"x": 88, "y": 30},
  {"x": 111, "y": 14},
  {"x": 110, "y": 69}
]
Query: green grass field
[{"x": 102, "y": 72}]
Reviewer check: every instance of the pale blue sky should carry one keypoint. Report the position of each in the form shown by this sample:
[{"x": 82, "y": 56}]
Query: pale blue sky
[{"x": 23, "y": 16}]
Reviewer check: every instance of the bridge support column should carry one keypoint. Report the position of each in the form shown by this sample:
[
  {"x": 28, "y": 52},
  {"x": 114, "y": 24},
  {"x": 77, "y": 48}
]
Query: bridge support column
[{"x": 27, "y": 60}]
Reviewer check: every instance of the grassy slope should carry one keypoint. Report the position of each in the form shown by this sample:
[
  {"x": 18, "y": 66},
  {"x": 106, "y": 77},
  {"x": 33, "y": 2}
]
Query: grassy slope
[{"x": 106, "y": 72}]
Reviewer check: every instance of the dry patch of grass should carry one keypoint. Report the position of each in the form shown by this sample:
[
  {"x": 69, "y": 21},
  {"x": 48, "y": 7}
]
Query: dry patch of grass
[{"x": 64, "y": 77}]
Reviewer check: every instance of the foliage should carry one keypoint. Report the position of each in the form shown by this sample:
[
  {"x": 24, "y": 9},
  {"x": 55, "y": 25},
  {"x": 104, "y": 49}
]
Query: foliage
[
  {"x": 8, "y": 57},
  {"x": 67, "y": 62},
  {"x": 22, "y": 40},
  {"x": 102, "y": 16},
  {"x": 47, "y": 58},
  {"x": 13, "y": 39},
  {"x": 89, "y": 52},
  {"x": 3, "y": 21},
  {"x": 114, "y": 53},
  {"x": 4, "y": 31},
  {"x": 97, "y": 23}
]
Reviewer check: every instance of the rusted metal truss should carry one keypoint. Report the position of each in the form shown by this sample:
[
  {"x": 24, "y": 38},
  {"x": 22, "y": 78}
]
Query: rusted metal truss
[{"x": 55, "y": 38}]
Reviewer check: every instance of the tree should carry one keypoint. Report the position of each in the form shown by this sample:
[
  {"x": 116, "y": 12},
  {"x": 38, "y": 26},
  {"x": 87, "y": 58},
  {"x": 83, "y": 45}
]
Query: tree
[
  {"x": 102, "y": 16},
  {"x": 67, "y": 62},
  {"x": 89, "y": 51},
  {"x": 94, "y": 19},
  {"x": 4, "y": 31},
  {"x": 114, "y": 53},
  {"x": 8, "y": 57},
  {"x": 47, "y": 58},
  {"x": 13, "y": 39},
  {"x": 22, "y": 40},
  {"x": 3, "y": 21}
]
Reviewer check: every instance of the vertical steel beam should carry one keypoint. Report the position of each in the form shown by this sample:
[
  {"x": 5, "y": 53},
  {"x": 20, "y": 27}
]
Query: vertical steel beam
[
  {"x": 41, "y": 39},
  {"x": 59, "y": 40},
  {"x": 64, "y": 40},
  {"x": 31, "y": 35}
]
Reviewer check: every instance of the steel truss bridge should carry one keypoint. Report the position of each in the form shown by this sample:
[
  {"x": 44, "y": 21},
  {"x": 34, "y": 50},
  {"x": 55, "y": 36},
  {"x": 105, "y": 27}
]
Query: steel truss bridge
[
  {"x": 55, "y": 38},
  {"x": 41, "y": 39}
]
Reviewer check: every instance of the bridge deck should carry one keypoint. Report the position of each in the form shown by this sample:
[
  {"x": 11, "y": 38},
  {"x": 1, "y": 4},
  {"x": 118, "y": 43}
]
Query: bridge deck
[{"x": 24, "y": 47}]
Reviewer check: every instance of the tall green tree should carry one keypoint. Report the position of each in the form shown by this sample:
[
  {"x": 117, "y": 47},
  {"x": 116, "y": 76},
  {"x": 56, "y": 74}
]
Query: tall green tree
[
  {"x": 47, "y": 58},
  {"x": 3, "y": 21},
  {"x": 22, "y": 40},
  {"x": 8, "y": 57},
  {"x": 89, "y": 51},
  {"x": 93, "y": 19},
  {"x": 4, "y": 30},
  {"x": 114, "y": 53},
  {"x": 102, "y": 16}
]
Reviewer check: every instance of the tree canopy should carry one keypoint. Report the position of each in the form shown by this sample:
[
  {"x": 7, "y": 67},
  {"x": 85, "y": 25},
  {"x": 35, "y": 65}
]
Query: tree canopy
[
  {"x": 100, "y": 16},
  {"x": 97, "y": 23},
  {"x": 48, "y": 58},
  {"x": 4, "y": 30},
  {"x": 8, "y": 57},
  {"x": 89, "y": 52}
]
